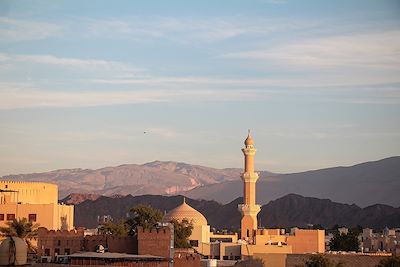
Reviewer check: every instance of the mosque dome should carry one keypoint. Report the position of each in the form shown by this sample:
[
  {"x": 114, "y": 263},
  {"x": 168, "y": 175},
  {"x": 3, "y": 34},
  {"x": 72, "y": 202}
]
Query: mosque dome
[{"x": 184, "y": 211}]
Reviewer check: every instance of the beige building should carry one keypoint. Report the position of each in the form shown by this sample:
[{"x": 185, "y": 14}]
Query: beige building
[
  {"x": 251, "y": 241},
  {"x": 386, "y": 241},
  {"x": 36, "y": 201}
]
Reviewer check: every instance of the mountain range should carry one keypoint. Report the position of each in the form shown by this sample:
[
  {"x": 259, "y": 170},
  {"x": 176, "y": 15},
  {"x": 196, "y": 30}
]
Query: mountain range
[
  {"x": 288, "y": 211},
  {"x": 363, "y": 184},
  {"x": 151, "y": 178}
]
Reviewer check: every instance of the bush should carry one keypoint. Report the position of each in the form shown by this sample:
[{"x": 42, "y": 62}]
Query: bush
[
  {"x": 389, "y": 262},
  {"x": 250, "y": 263},
  {"x": 320, "y": 261}
]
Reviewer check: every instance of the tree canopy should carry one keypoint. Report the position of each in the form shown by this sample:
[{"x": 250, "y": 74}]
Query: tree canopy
[
  {"x": 344, "y": 242},
  {"x": 144, "y": 216},
  {"x": 21, "y": 228},
  {"x": 182, "y": 232},
  {"x": 110, "y": 228}
]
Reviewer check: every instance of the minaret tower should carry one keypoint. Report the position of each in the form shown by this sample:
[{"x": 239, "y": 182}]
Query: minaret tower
[{"x": 249, "y": 208}]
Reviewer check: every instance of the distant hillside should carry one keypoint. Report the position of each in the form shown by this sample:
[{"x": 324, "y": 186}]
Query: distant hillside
[
  {"x": 363, "y": 184},
  {"x": 290, "y": 210},
  {"x": 151, "y": 178},
  {"x": 75, "y": 198}
]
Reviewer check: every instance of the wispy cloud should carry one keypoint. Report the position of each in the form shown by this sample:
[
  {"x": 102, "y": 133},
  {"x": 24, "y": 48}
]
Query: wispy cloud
[
  {"x": 86, "y": 64},
  {"x": 15, "y": 98},
  {"x": 190, "y": 30},
  {"x": 376, "y": 50},
  {"x": 75, "y": 62},
  {"x": 14, "y": 30}
]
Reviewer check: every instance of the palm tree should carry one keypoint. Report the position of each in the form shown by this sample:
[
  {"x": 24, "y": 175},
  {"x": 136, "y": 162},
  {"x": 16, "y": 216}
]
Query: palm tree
[{"x": 21, "y": 228}]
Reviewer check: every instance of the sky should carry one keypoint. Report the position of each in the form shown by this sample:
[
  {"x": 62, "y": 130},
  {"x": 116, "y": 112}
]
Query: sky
[{"x": 89, "y": 84}]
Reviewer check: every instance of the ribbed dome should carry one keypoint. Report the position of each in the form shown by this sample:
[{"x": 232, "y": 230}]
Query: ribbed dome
[{"x": 184, "y": 211}]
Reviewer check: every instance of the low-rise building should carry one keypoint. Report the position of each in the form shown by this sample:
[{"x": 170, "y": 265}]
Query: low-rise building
[
  {"x": 386, "y": 241},
  {"x": 149, "y": 247},
  {"x": 35, "y": 201}
]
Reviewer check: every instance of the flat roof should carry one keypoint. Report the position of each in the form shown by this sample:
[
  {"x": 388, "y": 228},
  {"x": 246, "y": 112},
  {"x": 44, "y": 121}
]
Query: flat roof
[{"x": 110, "y": 255}]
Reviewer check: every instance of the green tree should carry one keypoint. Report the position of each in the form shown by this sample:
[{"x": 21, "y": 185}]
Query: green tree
[
  {"x": 357, "y": 230},
  {"x": 144, "y": 216},
  {"x": 22, "y": 228},
  {"x": 318, "y": 227},
  {"x": 320, "y": 261},
  {"x": 182, "y": 232},
  {"x": 110, "y": 228},
  {"x": 389, "y": 262},
  {"x": 344, "y": 242}
]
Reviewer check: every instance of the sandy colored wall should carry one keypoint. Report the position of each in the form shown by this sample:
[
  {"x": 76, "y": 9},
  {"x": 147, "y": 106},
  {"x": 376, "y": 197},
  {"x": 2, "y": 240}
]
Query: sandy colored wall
[
  {"x": 249, "y": 250},
  {"x": 263, "y": 239},
  {"x": 65, "y": 217},
  {"x": 272, "y": 260},
  {"x": 29, "y": 192},
  {"x": 44, "y": 213},
  {"x": 47, "y": 215},
  {"x": 307, "y": 241}
]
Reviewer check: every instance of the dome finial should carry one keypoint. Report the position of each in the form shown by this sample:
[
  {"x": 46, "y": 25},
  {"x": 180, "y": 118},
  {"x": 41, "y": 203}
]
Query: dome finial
[
  {"x": 249, "y": 139},
  {"x": 184, "y": 200}
]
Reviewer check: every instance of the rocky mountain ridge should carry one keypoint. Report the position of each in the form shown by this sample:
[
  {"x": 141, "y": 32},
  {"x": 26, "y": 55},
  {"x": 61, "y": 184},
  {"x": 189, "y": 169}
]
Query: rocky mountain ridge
[
  {"x": 363, "y": 184},
  {"x": 288, "y": 211}
]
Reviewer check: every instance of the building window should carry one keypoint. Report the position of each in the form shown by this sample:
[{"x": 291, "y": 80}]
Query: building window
[
  {"x": 56, "y": 251},
  {"x": 10, "y": 217},
  {"x": 2, "y": 217},
  {"x": 67, "y": 251},
  {"x": 194, "y": 243},
  {"x": 32, "y": 217},
  {"x": 58, "y": 242},
  {"x": 47, "y": 252}
]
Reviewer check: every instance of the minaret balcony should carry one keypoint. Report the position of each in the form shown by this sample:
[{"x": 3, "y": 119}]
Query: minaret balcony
[
  {"x": 250, "y": 210},
  {"x": 251, "y": 177},
  {"x": 249, "y": 151}
]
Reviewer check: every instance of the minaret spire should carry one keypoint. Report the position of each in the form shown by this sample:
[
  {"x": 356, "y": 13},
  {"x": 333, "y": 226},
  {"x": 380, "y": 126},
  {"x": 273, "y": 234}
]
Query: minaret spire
[{"x": 249, "y": 208}]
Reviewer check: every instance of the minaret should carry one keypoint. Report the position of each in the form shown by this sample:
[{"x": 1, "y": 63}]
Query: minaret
[{"x": 249, "y": 208}]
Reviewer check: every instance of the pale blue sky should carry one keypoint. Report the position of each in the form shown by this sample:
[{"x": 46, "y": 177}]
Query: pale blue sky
[{"x": 318, "y": 82}]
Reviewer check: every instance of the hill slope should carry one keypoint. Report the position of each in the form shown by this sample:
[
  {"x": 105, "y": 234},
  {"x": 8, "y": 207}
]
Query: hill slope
[
  {"x": 363, "y": 184},
  {"x": 290, "y": 210},
  {"x": 151, "y": 178}
]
